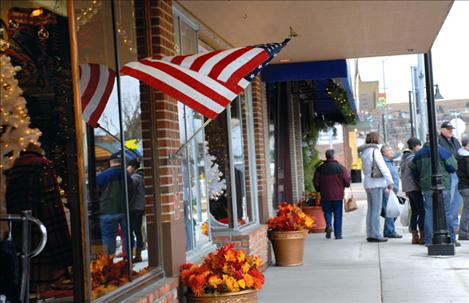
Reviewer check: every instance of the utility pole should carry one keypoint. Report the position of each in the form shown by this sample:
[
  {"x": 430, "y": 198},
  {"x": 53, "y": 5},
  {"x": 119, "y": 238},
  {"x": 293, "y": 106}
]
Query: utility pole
[
  {"x": 385, "y": 136},
  {"x": 420, "y": 78},
  {"x": 411, "y": 115}
]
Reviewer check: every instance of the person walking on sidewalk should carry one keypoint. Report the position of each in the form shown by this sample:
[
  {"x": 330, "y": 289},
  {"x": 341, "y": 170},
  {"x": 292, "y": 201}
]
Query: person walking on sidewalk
[
  {"x": 422, "y": 170},
  {"x": 330, "y": 179},
  {"x": 389, "y": 227},
  {"x": 413, "y": 192},
  {"x": 136, "y": 208},
  {"x": 463, "y": 186},
  {"x": 377, "y": 179},
  {"x": 451, "y": 144}
]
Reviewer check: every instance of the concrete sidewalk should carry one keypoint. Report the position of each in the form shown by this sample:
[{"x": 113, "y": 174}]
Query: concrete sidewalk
[{"x": 353, "y": 270}]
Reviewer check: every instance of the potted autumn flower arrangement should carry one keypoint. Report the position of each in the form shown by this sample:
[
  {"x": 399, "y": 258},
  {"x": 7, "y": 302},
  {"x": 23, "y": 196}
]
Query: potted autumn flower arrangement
[
  {"x": 227, "y": 275},
  {"x": 287, "y": 232},
  {"x": 311, "y": 205}
]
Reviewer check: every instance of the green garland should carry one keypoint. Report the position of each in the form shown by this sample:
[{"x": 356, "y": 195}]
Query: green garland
[{"x": 339, "y": 96}]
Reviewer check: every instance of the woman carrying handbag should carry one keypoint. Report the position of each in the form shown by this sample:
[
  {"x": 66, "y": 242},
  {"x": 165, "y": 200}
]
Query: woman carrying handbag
[{"x": 377, "y": 179}]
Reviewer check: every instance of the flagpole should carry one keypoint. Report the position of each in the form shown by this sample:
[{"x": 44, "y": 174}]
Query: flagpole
[
  {"x": 109, "y": 133},
  {"x": 175, "y": 154}
]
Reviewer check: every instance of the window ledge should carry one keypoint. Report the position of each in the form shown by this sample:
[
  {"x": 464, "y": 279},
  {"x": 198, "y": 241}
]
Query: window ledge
[
  {"x": 245, "y": 230},
  {"x": 196, "y": 255}
]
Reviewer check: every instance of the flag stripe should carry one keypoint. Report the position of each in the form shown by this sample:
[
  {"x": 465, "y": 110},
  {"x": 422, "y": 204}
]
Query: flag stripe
[
  {"x": 208, "y": 65},
  {"x": 178, "y": 59},
  {"x": 178, "y": 85},
  {"x": 135, "y": 70},
  {"x": 195, "y": 83},
  {"x": 103, "y": 74},
  {"x": 197, "y": 64},
  {"x": 247, "y": 68},
  {"x": 90, "y": 86},
  {"x": 96, "y": 83},
  {"x": 231, "y": 68},
  {"x": 107, "y": 92},
  {"x": 216, "y": 89},
  {"x": 231, "y": 58}
]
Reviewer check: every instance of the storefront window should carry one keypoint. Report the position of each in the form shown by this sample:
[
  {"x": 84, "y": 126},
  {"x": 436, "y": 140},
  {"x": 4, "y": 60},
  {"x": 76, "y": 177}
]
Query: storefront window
[
  {"x": 193, "y": 154},
  {"x": 113, "y": 161},
  {"x": 230, "y": 142},
  {"x": 42, "y": 178},
  {"x": 228, "y": 179}
]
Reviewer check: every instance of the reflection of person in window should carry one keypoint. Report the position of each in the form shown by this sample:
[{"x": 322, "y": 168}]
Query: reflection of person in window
[
  {"x": 137, "y": 208},
  {"x": 112, "y": 202}
]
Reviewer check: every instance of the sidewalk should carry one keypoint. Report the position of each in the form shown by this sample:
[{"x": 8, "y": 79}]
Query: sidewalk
[{"x": 353, "y": 270}]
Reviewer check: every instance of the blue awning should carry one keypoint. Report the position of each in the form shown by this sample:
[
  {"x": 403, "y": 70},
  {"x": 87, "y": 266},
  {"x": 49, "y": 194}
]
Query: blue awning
[
  {"x": 305, "y": 71},
  {"x": 320, "y": 72}
]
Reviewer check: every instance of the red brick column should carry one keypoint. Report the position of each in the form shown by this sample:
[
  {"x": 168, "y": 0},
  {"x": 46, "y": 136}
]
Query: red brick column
[
  {"x": 160, "y": 130},
  {"x": 260, "y": 117}
]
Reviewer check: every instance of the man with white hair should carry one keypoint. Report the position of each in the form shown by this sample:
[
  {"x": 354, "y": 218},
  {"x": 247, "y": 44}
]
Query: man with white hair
[{"x": 451, "y": 144}]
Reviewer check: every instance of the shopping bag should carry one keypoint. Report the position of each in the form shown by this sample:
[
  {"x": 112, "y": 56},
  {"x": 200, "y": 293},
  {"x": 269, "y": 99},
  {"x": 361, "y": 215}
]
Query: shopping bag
[
  {"x": 393, "y": 208},
  {"x": 404, "y": 217},
  {"x": 350, "y": 204}
]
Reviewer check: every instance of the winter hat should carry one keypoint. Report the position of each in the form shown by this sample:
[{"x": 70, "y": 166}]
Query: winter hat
[{"x": 413, "y": 142}]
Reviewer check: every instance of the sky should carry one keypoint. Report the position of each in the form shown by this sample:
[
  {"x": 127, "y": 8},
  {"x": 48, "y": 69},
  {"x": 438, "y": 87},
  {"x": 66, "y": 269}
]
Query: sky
[{"x": 450, "y": 55}]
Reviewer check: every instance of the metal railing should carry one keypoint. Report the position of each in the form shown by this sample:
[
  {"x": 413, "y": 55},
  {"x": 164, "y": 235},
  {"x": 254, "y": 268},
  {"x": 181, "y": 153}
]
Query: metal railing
[{"x": 26, "y": 253}]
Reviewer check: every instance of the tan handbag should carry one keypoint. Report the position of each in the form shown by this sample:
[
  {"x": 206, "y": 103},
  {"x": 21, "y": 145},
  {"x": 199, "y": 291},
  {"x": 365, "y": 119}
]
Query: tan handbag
[{"x": 350, "y": 204}]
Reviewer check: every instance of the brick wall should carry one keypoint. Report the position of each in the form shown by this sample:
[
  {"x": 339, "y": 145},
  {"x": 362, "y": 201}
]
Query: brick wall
[
  {"x": 252, "y": 241},
  {"x": 160, "y": 130},
  {"x": 161, "y": 292},
  {"x": 260, "y": 118}
]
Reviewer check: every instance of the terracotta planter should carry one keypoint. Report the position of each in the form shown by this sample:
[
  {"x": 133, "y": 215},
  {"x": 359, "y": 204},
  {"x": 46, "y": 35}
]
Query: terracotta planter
[
  {"x": 245, "y": 296},
  {"x": 316, "y": 213},
  {"x": 288, "y": 247}
]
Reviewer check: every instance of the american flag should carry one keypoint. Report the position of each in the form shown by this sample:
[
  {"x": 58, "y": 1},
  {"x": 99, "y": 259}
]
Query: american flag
[
  {"x": 205, "y": 82},
  {"x": 96, "y": 83}
]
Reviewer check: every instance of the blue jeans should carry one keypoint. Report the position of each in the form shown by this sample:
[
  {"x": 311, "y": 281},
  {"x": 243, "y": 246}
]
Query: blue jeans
[
  {"x": 333, "y": 207},
  {"x": 389, "y": 228},
  {"x": 109, "y": 223},
  {"x": 428, "y": 222},
  {"x": 456, "y": 201},
  {"x": 374, "y": 197}
]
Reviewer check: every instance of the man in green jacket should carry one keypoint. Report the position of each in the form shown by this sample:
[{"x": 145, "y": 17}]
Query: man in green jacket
[
  {"x": 112, "y": 204},
  {"x": 422, "y": 169}
]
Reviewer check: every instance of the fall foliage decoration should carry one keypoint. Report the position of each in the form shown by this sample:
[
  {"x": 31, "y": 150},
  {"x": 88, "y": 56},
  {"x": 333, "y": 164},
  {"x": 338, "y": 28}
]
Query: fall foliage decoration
[
  {"x": 290, "y": 218},
  {"x": 107, "y": 275},
  {"x": 226, "y": 270}
]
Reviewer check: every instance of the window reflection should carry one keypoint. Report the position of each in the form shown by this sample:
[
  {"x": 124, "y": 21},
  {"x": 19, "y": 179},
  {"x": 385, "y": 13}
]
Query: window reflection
[{"x": 114, "y": 168}]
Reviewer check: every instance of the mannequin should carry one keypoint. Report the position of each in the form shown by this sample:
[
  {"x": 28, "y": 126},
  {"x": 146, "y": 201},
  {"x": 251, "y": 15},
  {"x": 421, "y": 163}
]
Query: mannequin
[{"x": 32, "y": 184}]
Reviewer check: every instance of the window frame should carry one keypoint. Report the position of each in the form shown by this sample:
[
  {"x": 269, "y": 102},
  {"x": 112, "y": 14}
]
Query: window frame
[
  {"x": 181, "y": 15},
  {"x": 82, "y": 290},
  {"x": 197, "y": 248}
]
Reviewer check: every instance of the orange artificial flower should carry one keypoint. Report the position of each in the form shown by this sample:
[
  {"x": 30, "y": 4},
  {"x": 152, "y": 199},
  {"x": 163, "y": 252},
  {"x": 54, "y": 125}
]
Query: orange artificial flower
[
  {"x": 226, "y": 270},
  {"x": 290, "y": 218}
]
